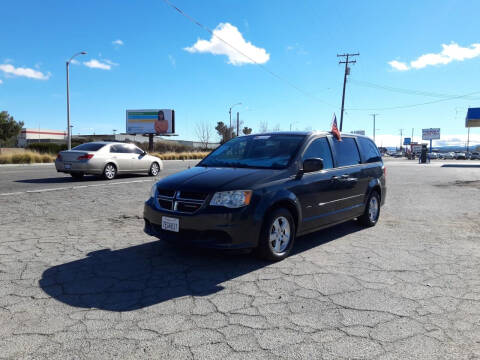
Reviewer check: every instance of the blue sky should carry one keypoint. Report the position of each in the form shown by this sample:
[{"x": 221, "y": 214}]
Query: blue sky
[{"x": 297, "y": 40}]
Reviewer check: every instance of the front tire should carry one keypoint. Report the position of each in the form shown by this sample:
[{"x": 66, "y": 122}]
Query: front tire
[
  {"x": 154, "y": 169},
  {"x": 372, "y": 210},
  {"x": 109, "y": 172},
  {"x": 277, "y": 236}
]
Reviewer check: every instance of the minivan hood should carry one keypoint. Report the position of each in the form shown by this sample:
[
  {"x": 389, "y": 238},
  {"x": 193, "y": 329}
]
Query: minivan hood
[{"x": 210, "y": 179}]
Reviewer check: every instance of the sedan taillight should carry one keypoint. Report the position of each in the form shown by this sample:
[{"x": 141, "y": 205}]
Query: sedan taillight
[
  {"x": 59, "y": 157},
  {"x": 85, "y": 157}
]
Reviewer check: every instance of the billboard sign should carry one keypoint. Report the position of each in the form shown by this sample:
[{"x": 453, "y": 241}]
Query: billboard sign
[
  {"x": 152, "y": 121},
  {"x": 407, "y": 141},
  {"x": 359, "y": 132},
  {"x": 473, "y": 118},
  {"x": 431, "y": 134}
]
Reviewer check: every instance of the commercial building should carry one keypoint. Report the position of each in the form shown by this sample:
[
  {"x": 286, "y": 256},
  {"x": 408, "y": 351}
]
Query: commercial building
[{"x": 28, "y": 135}]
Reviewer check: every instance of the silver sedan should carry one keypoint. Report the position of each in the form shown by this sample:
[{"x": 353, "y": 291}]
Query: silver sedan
[{"x": 107, "y": 159}]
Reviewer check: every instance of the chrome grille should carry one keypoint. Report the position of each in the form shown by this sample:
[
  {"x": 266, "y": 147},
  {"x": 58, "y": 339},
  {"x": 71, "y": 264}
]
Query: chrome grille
[{"x": 180, "y": 201}]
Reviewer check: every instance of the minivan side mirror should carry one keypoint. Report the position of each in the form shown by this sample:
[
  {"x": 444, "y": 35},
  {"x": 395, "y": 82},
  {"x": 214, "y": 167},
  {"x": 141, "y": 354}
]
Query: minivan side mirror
[{"x": 312, "y": 164}]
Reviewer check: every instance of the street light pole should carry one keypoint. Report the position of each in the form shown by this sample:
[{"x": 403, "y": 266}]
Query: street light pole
[
  {"x": 69, "y": 134},
  {"x": 230, "y": 112}
]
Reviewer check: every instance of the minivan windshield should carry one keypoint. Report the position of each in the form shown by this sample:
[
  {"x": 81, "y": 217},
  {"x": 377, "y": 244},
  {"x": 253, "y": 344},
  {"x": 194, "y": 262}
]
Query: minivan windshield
[{"x": 256, "y": 151}]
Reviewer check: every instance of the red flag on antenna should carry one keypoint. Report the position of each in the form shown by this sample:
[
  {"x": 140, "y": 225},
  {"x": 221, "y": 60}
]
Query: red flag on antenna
[{"x": 335, "y": 130}]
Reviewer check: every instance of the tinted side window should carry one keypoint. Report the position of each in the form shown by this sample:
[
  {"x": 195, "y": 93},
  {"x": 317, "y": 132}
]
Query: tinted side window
[
  {"x": 319, "y": 148},
  {"x": 369, "y": 150},
  {"x": 137, "y": 150},
  {"x": 346, "y": 151},
  {"x": 121, "y": 149}
]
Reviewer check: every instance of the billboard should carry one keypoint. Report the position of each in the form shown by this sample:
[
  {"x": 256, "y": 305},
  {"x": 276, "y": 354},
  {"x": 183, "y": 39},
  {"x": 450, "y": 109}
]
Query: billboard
[
  {"x": 473, "y": 117},
  {"x": 152, "y": 121},
  {"x": 431, "y": 134},
  {"x": 407, "y": 141}
]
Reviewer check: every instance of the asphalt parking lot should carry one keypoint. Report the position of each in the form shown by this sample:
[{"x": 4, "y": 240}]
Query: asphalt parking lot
[{"x": 80, "y": 280}]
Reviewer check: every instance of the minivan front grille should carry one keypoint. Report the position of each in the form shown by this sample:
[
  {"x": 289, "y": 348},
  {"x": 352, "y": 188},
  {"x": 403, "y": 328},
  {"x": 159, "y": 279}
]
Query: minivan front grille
[{"x": 180, "y": 201}]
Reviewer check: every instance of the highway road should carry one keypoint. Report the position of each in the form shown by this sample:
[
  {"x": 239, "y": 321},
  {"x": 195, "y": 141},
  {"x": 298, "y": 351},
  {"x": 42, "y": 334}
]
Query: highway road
[{"x": 44, "y": 177}]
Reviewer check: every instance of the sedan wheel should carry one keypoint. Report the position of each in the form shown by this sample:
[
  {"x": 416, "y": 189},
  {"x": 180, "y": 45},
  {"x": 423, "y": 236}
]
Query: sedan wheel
[
  {"x": 154, "y": 169},
  {"x": 110, "y": 172}
]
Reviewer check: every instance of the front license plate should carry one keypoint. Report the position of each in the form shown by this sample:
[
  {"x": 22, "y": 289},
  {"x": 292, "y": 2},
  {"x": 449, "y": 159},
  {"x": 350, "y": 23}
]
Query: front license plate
[
  {"x": 68, "y": 166},
  {"x": 170, "y": 224}
]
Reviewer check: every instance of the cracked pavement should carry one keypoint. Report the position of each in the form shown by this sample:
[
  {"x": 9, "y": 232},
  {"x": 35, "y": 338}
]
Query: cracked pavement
[{"x": 80, "y": 280}]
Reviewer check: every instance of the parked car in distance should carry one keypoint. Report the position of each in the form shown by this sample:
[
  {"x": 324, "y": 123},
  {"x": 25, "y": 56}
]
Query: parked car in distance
[
  {"x": 261, "y": 191},
  {"x": 106, "y": 159},
  {"x": 448, "y": 155},
  {"x": 460, "y": 156},
  {"x": 475, "y": 155},
  {"x": 433, "y": 155}
]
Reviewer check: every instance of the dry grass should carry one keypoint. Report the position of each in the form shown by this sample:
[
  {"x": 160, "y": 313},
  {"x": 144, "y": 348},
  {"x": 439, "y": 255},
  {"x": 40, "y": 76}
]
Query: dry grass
[
  {"x": 182, "y": 155},
  {"x": 27, "y": 157},
  {"x": 31, "y": 157}
]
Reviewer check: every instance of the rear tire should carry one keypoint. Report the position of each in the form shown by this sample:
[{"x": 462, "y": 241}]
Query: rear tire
[
  {"x": 154, "y": 169},
  {"x": 372, "y": 210},
  {"x": 277, "y": 235},
  {"x": 109, "y": 171},
  {"x": 77, "y": 176}
]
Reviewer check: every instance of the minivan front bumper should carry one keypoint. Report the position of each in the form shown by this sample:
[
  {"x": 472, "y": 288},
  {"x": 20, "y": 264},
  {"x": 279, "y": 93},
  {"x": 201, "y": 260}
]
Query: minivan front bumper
[{"x": 210, "y": 227}]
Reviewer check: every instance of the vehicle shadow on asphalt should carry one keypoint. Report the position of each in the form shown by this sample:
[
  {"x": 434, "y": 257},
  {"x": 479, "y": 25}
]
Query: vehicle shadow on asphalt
[
  {"x": 69, "y": 179},
  {"x": 462, "y": 165},
  {"x": 143, "y": 275}
]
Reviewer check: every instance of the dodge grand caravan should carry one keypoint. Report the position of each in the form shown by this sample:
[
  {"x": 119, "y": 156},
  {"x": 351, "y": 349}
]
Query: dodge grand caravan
[{"x": 261, "y": 191}]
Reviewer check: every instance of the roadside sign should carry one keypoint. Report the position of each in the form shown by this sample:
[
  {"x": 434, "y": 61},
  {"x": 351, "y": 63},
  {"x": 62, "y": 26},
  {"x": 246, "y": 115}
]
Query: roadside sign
[
  {"x": 407, "y": 141},
  {"x": 431, "y": 134},
  {"x": 359, "y": 132},
  {"x": 151, "y": 121},
  {"x": 473, "y": 117}
]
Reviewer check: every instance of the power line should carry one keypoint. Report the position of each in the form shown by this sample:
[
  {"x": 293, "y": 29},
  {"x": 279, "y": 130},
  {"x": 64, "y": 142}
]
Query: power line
[
  {"x": 263, "y": 67},
  {"x": 414, "y": 105},
  {"x": 404, "y": 91}
]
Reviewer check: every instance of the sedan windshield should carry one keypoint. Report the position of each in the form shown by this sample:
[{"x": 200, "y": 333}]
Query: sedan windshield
[{"x": 256, "y": 151}]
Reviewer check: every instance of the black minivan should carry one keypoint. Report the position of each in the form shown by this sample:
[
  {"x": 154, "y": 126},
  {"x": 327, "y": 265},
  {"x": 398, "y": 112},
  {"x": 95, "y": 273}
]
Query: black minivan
[{"x": 261, "y": 191}]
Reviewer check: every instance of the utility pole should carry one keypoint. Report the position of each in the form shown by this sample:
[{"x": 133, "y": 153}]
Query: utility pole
[
  {"x": 238, "y": 122},
  {"x": 412, "y": 134},
  {"x": 401, "y": 137},
  {"x": 468, "y": 140},
  {"x": 374, "y": 115},
  {"x": 347, "y": 72}
]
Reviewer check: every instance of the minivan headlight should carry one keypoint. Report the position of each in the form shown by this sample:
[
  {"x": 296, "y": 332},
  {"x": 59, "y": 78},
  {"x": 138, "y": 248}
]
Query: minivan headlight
[{"x": 231, "y": 199}]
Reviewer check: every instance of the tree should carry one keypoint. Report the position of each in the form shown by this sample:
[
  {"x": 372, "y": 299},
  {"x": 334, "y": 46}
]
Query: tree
[
  {"x": 263, "y": 128},
  {"x": 246, "y": 130},
  {"x": 225, "y": 132},
  {"x": 9, "y": 129},
  {"x": 204, "y": 134}
]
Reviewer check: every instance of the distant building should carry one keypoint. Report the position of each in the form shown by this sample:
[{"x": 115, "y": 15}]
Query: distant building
[{"x": 28, "y": 136}]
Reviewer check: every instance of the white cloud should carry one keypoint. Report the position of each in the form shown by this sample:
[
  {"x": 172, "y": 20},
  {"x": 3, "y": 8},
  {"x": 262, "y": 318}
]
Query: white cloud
[
  {"x": 118, "y": 42},
  {"x": 1, "y": 81},
  {"x": 449, "y": 53},
  {"x": 95, "y": 64},
  {"x": 232, "y": 36},
  {"x": 109, "y": 62},
  {"x": 9, "y": 69},
  {"x": 397, "y": 65}
]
